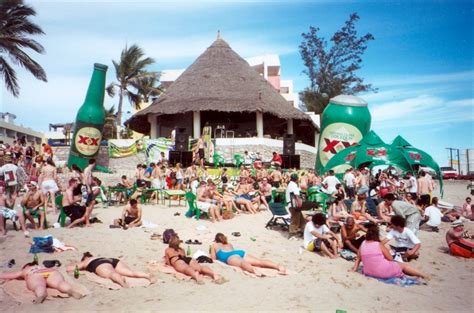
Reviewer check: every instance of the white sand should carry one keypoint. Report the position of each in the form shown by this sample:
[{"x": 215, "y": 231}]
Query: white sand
[{"x": 318, "y": 284}]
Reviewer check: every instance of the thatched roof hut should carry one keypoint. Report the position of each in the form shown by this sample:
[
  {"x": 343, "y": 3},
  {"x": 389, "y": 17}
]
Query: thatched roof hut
[{"x": 221, "y": 82}]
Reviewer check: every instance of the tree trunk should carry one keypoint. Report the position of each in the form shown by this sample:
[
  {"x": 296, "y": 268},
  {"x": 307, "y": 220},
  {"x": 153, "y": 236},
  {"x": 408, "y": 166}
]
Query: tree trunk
[{"x": 119, "y": 113}]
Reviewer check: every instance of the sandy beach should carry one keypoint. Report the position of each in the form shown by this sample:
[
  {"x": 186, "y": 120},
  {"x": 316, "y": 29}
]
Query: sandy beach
[{"x": 315, "y": 283}]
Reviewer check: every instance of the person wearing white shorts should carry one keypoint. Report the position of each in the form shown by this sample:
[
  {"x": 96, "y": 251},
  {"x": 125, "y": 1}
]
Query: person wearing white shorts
[
  {"x": 49, "y": 186},
  {"x": 203, "y": 206},
  {"x": 7, "y": 213}
]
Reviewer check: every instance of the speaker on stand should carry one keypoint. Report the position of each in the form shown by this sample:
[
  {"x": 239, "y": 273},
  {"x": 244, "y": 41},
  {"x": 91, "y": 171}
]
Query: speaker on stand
[
  {"x": 181, "y": 140},
  {"x": 289, "y": 144}
]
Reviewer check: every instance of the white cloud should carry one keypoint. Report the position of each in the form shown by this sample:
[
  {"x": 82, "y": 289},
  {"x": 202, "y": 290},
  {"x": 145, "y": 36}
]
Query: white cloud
[{"x": 409, "y": 79}]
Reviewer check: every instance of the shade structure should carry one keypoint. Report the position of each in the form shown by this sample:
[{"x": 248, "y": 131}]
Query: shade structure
[
  {"x": 416, "y": 157},
  {"x": 370, "y": 151}
]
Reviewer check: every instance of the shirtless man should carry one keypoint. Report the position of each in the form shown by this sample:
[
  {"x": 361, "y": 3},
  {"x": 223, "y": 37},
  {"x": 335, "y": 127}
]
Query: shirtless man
[
  {"x": 190, "y": 174},
  {"x": 88, "y": 174},
  {"x": 131, "y": 216},
  {"x": 200, "y": 146},
  {"x": 384, "y": 212},
  {"x": 72, "y": 208},
  {"x": 243, "y": 197},
  {"x": 311, "y": 177},
  {"x": 276, "y": 177},
  {"x": 244, "y": 172},
  {"x": 456, "y": 243},
  {"x": 424, "y": 189},
  {"x": 362, "y": 182},
  {"x": 32, "y": 202},
  {"x": 205, "y": 203},
  {"x": 7, "y": 213},
  {"x": 266, "y": 190},
  {"x": 349, "y": 233}
]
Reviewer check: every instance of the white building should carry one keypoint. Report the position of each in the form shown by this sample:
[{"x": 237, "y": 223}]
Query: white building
[{"x": 9, "y": 131}]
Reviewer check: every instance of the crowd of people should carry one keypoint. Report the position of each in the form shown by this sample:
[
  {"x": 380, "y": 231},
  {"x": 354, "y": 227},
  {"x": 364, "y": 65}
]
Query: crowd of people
[{"x": 377, "y": 217}]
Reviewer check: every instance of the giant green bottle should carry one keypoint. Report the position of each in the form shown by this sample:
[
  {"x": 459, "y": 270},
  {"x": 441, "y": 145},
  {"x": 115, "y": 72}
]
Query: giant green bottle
[
  {"x": 345, "y": 121},
  {"x": 89, "y": 121}
]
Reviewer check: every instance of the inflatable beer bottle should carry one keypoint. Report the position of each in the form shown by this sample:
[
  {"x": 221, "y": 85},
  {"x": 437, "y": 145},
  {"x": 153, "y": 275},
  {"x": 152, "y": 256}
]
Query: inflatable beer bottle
[
  {"x": 89, "y": 121},
  {"x": 344, "y": 122}
]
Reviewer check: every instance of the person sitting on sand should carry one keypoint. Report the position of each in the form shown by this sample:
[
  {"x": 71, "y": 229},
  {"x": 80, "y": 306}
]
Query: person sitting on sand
[
  {"x": 349, "y": 233},
  {"x": 466, "y": 209},
  {"x": 457, "y": 245},
  {"x": 359, "y": 209},
  {"x": 432, "y": 215},
  {"x": 109, "y": 268},
  {"x": 319, "y": 238},
  {"x": 131, "y": 215},
  {"x": 223, "y": 251},
  {"x": 406, "y": 241},
  {"x": 338, "y": 210},
  {"x": 377, "y": 260},
  {"x": 205, "y": 203},
  {"x": 76, "y": 212},
  {"x": 384, "y": 212},
  {"x": 32, "y": 203},
  {"x": 39, "y": 278},
  {"x": 175, "y": 257}
]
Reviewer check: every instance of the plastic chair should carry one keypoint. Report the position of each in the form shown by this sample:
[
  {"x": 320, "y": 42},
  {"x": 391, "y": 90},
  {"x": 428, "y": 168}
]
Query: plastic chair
[
  {"x": 62, "y": 215},
  {"x": 193, "y": 210},
  {"x": 279, "y": 214},
  {"x": 322, "y": 199},
  {"x": 238, "y": 160},
  {"x": 218, "y": 160},
  {"x": 36, "y": 215}
]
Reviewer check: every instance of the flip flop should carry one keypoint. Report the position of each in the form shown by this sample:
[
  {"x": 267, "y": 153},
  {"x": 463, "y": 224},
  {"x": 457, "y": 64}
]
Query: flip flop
[
  {"x": 197, "y": 242},
  {"x": 189, "y": 242},
  {"x": 177, "y": 214},
  {"x": 236, "y": 234}
]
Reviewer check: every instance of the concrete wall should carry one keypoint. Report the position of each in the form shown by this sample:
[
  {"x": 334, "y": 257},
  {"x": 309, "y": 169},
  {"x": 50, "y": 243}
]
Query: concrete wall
[
  {"x": 227, "y": 147},
  {"x": 62, "y": 155}
]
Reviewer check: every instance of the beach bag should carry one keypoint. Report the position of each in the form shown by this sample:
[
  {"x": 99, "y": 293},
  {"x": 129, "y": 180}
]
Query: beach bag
[
  {"x": 228, "y": 214},
  {"x": 42, "y": 244},
  {"x": 167, "y": 234}
]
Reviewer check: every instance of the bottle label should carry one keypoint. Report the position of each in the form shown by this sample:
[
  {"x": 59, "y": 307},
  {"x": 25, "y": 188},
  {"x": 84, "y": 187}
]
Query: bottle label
[
  {"x": 87, "y": 140},
  {"x": 336, "y": 137}
]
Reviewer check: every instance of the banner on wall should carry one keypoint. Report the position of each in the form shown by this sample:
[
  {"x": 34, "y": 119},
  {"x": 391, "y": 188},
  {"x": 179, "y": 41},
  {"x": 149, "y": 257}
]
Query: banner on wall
[
  {"x": 154, "y": 147},
  {"x": 121, "y": 148}
]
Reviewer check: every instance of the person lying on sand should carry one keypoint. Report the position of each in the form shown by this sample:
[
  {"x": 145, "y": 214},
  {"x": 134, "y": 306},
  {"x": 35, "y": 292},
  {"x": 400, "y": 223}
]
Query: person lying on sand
[
  {"x": 175, "y": 257},
  {"x": 110, "y": 268},
  {"x": 377, "y": 260},
  {"x": 223, "y": 251},
  {"x": 131, "y": 215},
  {"x": 38, "y": 278}
]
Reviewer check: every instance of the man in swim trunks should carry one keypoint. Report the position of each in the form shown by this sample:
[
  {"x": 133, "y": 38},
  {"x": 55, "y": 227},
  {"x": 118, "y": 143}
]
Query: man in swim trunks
[
  {"x": 131, "y": 215},
  {"x": 32, "y": 204},
  {"x": 276, "y": 177},
  {"x": 349, "y": 233},
  {"x": 71, "y": 206},
  {"x": 205, "y": 203},
  {"x": 7, "y": 213}
]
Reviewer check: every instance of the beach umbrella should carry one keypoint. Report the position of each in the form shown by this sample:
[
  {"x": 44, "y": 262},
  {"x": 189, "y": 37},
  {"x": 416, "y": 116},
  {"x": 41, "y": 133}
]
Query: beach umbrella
[
  {"x": 416, "y": 157},
  {"x": 370, "y": 151}
]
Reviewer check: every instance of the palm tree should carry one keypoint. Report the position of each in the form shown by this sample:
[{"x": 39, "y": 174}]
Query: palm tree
[
  {"x": 147, "y": 87},
  {"x": 110, "y": 128},
  {"x": 15, "y": 29},
  {"x": 128, "y": 71}
]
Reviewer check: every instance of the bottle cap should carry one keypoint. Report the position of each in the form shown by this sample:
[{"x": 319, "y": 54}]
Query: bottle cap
[
  {"x": 349, "y": 101},
  {"x": 101, "y": 67}
]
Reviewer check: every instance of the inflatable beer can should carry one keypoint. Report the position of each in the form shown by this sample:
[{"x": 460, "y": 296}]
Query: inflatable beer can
[
  {"x": 89, "y": 121},
  {"x": 344, "y": 122}
]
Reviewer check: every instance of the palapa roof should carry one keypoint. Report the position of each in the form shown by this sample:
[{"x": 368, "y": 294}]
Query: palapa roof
[{"x": 219, "y": 80}]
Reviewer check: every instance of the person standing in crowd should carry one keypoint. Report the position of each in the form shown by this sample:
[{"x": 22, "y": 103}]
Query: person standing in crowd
[
  {"x": 9, "y": 172},
  {"x": 424, "y": 189},
  {"x": 349, "y": 180},
  {"x": 47, "y": 151},
  {"x": 30, "y": 155},
  {"x": 412, "y": 185},
  {"x": 406, "y": 210}
]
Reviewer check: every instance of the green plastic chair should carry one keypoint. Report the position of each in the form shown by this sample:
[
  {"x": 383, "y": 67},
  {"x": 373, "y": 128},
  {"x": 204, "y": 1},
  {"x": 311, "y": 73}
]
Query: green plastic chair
[
  {"x": 218, "y": 160},
  {"x": 321, "y": 198},
  {"x": 193, "y": 209},
  {"x": 238, "y": 160},
  {"x": 62, "y": 215},
  {"x": 36, "y": 215}
]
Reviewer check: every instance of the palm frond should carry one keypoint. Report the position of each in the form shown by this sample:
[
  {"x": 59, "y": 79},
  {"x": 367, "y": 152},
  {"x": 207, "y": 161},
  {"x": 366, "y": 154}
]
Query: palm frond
[
  {"x": 110, "y": 89},
  {"x": 9, "y": 76}
]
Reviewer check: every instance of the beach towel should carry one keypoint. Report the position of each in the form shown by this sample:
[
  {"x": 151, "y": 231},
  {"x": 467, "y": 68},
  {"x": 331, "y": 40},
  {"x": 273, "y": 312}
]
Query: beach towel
[
  {"x": 42, "y": 244},
  {"x": 156, "y": 266},
  {"x": 107, "y": 283},
  {"x": 61, "y": 246},
  {"x": 17, "y": 290},
  {"x": 148, "y": 224},
  {"x": 403, "y": 281},
  {"x": 347, "y": 255},
  {"x": 266, "y": 272}
]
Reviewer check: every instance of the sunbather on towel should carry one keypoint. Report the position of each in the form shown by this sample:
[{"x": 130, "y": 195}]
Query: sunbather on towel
[
  {"x": 223, "y": 251},
  {"x": 39, "y": 278},
  {"x": 110, "y": 268},
  {"x": 377, "y": 260},
  {"x": 175, "y": 257}
]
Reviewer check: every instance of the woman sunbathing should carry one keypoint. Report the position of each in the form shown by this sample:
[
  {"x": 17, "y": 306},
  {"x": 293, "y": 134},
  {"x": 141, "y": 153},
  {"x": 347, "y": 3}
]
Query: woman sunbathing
[
  {"x": 39, "y": 278},
  {"x": 175, "y": 257},
  {"x": 377, "y": 260},
  {"x": 225, "y": 252},
  {"x": 110, "y": 268}
]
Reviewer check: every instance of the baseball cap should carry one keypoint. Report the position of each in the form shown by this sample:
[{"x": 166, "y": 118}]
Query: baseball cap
[{"x": 457, "y": 223}]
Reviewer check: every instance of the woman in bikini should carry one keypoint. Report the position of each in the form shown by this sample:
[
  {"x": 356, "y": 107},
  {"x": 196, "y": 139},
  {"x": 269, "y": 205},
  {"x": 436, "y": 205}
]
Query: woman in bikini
[
  {"x": 113, "y": 269},
  {"x": 175, "y": 257},
  {"x": 223, "y": 251},
  {"x": 39, "y": 278}
]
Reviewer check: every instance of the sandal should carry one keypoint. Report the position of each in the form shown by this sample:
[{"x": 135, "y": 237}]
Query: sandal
[
  {"x": 236, "y": 234},
  {"x": 177, "y": 214},
  {"x": 189, "y": 242},
  {"x": 197, "y": 242}
]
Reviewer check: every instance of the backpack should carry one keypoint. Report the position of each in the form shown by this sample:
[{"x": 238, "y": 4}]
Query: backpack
[{"x": 167, "y": 234}]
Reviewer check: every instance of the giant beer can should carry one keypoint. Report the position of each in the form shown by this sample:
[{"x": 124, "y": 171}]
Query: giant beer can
[{"x": 345, "y": 121}]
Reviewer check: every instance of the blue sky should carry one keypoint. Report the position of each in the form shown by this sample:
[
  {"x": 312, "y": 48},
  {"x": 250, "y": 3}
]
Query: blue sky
[{"x": 421, "y": 59}]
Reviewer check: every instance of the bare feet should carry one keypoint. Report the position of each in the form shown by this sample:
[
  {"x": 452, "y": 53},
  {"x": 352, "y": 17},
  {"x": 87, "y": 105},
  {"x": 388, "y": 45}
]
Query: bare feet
[
  {"x": 282, "y": 270},
  {"x": 221, "y": 280},
  {"x": 39, "y": 300},
  {"x": 153, "y": 279},
  {"x": 75, "y": 294}
]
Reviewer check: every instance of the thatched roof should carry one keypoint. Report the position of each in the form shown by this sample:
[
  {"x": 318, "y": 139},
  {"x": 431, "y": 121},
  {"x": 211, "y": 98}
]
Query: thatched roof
[{"x": 219, "y": 80}]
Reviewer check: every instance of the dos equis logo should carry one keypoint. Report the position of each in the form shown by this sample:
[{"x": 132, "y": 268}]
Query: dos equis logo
[{"x": 87, "y": 140}]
